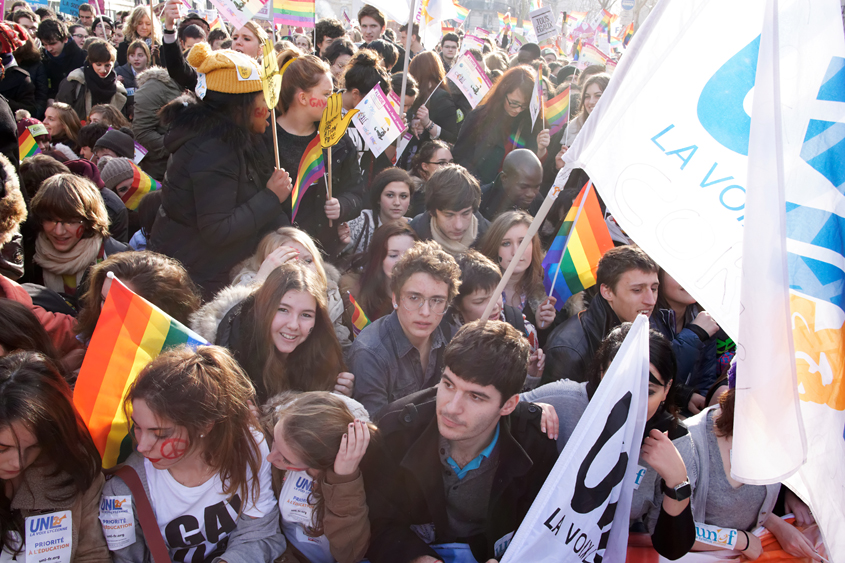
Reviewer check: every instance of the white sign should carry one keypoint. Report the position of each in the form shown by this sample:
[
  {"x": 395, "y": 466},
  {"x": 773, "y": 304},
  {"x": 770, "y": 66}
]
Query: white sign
[
  {"x": 238, "y": 12},
  {"x": 471, "y": 41},
  {"x": 377, "y": 121},
  {"x": 49, "y": 537},
  {"x": 593, "y": 479},
  {"x": 628, "y": 4},
  {"x": 543, "y": 20},
  {"x": 536, "y": 99},
  {"x": 118, "y": 521},
  {"x": 469, "y": 77}
]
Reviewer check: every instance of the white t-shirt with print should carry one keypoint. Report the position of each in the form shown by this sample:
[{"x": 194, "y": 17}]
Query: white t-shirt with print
[
  {"x": 196, "y": 521},
  {"x": 297, "y": 515}
]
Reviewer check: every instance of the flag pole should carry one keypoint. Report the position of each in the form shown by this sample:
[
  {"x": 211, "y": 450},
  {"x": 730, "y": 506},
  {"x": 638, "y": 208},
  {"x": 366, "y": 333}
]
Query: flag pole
[
  {"x": 409, "y": 38},
  {"x": 569, "y": 235}
]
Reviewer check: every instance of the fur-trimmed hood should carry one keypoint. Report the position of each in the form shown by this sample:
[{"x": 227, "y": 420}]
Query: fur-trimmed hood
[
  {"x": 206, "y": 320},
  {"x": 154, "y": 73},
  {"x": 12, "y": 206}
]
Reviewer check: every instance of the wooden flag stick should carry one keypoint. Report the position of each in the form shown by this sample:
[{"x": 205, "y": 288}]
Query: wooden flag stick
[
  {"x": 275, "y": 138},
  {"x": 152, "y": 26},
  {"x": 409, "y": 39},
  {"x": 329, "y": 183},
  {"x": 569, "y": 235}
]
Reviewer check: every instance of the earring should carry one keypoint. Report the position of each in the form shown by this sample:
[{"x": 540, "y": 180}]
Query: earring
[{"x": 202, "y": 435}]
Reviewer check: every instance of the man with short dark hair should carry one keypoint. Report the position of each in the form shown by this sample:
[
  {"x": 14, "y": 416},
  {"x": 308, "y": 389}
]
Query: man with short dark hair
[
  {"x": 452, "y": 197},
  {"x": 416, "y": 44},
  {"x": 516, "y": 187},
  {"x": 61, "y": 57},
  {"x": 627, "y": 282},
  {"x": 403, "y": 352},
  {"x": 449, "y": 49},
  {"x": 27, "y": 20},
  {"x": 371, "y": 23},
  {"x": 526, "y": 54},
  {"x": 86, "y": 15},
  {"x": 325, "y": 32},
  {"x": 461, "y": 462}
]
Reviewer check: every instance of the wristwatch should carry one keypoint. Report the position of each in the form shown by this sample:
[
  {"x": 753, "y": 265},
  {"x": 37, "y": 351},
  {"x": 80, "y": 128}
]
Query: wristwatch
[{"x": 681, "y": 492}]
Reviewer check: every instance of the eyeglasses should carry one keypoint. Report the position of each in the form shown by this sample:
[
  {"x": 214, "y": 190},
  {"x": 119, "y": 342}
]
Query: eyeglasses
[
  {"x": 515, "y": 105},
  {"x": 51, "y": 224},
  {"x": 414, "y": 302},
  {"x": 80, "y": 35},
  {"x": 441, "y": 162}
]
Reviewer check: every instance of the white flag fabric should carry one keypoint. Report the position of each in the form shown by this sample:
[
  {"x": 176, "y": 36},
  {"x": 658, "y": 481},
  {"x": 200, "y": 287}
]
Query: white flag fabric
[
  {"x": 672, "y": 148},
  {"x": 434, "y": 12},
  {"x": 397, "y": 10},
  {"x": 586, "y": 500}
]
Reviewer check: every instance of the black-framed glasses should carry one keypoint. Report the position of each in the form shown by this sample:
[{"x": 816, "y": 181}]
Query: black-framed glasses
[
  {"x": 515, "y": 105},
  {"x": 414, "y": 302},
  {"x": 440, "y": 162}
]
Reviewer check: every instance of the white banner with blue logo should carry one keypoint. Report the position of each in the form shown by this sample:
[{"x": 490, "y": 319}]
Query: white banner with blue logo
[{"x": 671, "y": 149}]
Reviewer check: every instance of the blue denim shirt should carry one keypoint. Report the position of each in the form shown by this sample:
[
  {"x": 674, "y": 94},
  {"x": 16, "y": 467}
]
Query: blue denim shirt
[{"x": 387, "y": 367}]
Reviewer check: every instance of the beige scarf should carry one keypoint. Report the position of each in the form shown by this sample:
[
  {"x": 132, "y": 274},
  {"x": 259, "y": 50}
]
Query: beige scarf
[
  {"x": 453, "y": 247},
  {"x": 72, "y": 263}
]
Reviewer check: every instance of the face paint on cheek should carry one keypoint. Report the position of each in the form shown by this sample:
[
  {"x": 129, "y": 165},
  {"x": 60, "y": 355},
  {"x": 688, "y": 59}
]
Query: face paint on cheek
[
  {"x": 317, "y": 103},
  {"x": 173, "y": 448},
  {"x": 79, "y": 230},
  {"x": 262, "y": 112}
]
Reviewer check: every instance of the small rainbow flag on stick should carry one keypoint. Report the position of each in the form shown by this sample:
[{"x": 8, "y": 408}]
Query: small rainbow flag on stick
[
  {"x": 26, "y": 143},
  {"x": 557, "y": 111},
  {"x": 462, "y": 13},
  {"x": 298, "y": 13},
  {"x": 359, "y": 318},
  {"x": 130, "y": 333},
  {"x": 311, "y": 169},
  {"x": 629, "y": 33},
  {"x": 581, "y": 241},
  {"x": 142, "y": 184}
]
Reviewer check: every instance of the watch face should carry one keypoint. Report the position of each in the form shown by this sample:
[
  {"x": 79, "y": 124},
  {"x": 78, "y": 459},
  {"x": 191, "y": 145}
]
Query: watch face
[{"x": 683, "y": 492}]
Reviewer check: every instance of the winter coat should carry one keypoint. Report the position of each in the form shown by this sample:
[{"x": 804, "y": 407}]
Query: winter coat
[
  {"x": 177, "y": 66},
  {"x": 571, "y": 346},
  {"x": 17, "y": 87},
  {"x": 88, "y": 545},
  {"x": 31, "y": 62},
  {"x": 493, "y": 202},
  {"x": 154, "y": 90},
  {"x": 215, "y": 205},
  {"x": 481, "y": 149},
  {"x": 74, "y": 92},
  {"x": 127, "y": 77},
  {"x": 254, "y": 539},
  {"x": 442, "y": 111},
  {"x": 58, "y": 68},
  {"x": 403, "y": 479},
  {"x": 9, "y": 134}
]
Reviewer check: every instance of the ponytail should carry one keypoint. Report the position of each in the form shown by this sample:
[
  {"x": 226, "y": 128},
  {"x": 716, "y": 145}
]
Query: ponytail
[{"x": 303, "y": 73}]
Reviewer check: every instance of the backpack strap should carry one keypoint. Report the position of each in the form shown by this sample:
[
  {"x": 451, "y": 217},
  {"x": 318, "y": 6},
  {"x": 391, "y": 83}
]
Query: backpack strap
[{"x": 149, "y": 525}]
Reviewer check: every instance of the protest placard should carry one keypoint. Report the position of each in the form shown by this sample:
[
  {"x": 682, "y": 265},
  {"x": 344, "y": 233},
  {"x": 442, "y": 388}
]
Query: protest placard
[
  {"x": 543, "y": 21},
  {"x": 377, "y": 121},
  {"x": 469, "y": 77}
]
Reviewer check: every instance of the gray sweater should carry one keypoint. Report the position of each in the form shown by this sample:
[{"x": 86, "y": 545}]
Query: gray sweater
[{"x": 254, "y": 540}]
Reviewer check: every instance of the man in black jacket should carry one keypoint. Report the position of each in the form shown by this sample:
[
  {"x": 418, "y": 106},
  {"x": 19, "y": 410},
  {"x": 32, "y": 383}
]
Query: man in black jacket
[
  {"x": 516, "y": 187},
  {"x": 461, "y": 462},
  {"x": 61, "y": 56},
  {"x": 627, "y": 282}
]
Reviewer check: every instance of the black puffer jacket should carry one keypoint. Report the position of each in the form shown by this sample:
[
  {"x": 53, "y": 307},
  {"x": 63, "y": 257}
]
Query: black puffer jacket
[
  {"x": 215, "y": 204},
  {"x": 57, "y": 68}
]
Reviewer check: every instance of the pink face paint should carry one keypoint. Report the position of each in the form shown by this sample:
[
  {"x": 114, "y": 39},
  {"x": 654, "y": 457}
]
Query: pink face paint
[{"x": 316, "y": 103}]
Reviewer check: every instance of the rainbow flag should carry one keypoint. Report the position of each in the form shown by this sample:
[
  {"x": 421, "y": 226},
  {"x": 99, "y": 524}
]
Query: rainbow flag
[
  {"x": 629, "y": 33},
  {"x": 298, "y": 13},
  {"x": 27, "y": 145},
  {"x": 576, "y": 50},
  {"x": 142, "y": 184},
  {"x": 462, "y": 13},
  {"x": 557, "y": 111},
  {"x": 216, "y": 24},
  {"x": 534, "y": 5},
  {"x": 446, "y": 28},
  {"x": 580, "y": 257},
  {"x": 130, "y": 332},
  {"x": 516, "y": 141},
  {"x": 359, "y": 318},
  {"x": 504, "y": 20},
  {"x": 311, "y": 169}
]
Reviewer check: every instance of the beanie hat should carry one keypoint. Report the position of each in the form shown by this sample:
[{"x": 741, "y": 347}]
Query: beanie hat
[
  {"x": 86, "y": 169},
  {"x": 12, "y": 36},
  {"x": 225, "y": 71},
  {"x": 121, "y": 143},
  {"x": 38, "y": 130},
  {"x": 115, "y": 171}
]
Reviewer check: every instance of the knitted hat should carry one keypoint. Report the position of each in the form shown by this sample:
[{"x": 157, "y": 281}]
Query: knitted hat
[
  {"x": 34, "y": 127},
  {"x": 115, "y": 171},
  {"x": 121, "y": 143},
  {"x": 12, "y": 36},
  {"x": 86, "y": 169},
  {"x": 225, "y": 70}
]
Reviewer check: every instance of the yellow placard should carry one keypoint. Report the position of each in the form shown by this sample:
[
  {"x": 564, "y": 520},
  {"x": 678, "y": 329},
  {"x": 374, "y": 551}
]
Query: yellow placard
[
  {"x": 333, "y": 125},
  {"x": 272, "y": 80}
]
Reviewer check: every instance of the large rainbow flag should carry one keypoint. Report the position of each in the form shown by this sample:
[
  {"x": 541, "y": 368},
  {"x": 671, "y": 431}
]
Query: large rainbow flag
[
  {"x": 299, "y": 13},
  {"x": 142, "y": 184},
  {"x": 557, "y": 111},
  {"x": 27, "y": 145},
  {"x": 311, "y": 168},
  {"x": 130, "y": 332},
  {"x": 578, "y": 259},
  {"x": 462, "y": 13},
  {"x": 359, "y": 318}
]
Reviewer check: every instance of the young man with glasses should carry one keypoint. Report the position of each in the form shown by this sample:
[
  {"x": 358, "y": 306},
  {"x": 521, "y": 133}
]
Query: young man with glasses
[
  {"x": 403, "y": 352},
  {"x": 458, "y": 466}
]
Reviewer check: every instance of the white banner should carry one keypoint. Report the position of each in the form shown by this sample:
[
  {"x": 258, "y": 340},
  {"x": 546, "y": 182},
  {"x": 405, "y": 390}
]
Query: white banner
[
  {"x": 543, "y": 21},
  {"x": 586, "y": 500},
  {"x": 397, "y": 10},
  {"x": 377, "y": 121},
  {"x": 468, "y": 76}
]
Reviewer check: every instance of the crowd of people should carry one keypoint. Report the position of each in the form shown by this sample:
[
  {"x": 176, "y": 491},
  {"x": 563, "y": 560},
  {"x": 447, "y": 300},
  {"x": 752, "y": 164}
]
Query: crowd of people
[{"x": 296, "y": 435}]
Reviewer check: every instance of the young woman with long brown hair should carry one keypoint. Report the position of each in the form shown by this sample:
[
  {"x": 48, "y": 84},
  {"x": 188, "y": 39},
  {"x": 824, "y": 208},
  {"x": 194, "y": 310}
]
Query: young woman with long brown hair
[
  {"x": 282, "y": 334},
  {"x": 499, "y": 124},
  {"x": 319, "y": 440},
  {"x": 48, "y": 462},
  {"x": 434, "y": 107},
  {"x": 201, "y": 458},
  {"x": 63, "y": 125},
  {"x": 305, "y": 90}
]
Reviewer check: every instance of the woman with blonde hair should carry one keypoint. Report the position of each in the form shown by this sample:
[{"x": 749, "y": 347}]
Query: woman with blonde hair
[
  {"x": 280, "y": 332},
  {"x": 200, "y": 456},
  {"x": 524, "y": 291},
  {"x": 108, "y": 114},
  {"x": 318, "y": 442},
  {"x": 63, "y": 125},
  {"x": 72, "y": 228},
  {"x": 140, "y": 26}
]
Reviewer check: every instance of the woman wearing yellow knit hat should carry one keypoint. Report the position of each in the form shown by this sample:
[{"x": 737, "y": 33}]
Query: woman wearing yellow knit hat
[{"x": 220, "y": 193}]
